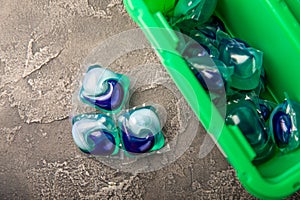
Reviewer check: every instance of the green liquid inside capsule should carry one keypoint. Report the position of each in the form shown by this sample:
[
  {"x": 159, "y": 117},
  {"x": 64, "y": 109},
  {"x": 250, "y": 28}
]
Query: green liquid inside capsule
[
  {"x": 193, "y": 11},
  {"x": 244, "y": 115}
]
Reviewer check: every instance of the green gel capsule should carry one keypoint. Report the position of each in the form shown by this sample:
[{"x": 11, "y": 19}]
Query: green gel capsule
[
  {"x": 193, "y": 10},
  {"x": 257, "y": 91},
  {"x": 243, "y": 114},
  {"x": 285, "y": 124},
  {"x": 247, "y": 61}
]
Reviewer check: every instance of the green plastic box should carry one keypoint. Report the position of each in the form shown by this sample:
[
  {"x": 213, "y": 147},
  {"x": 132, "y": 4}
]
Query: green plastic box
[{"x": 269, "y": 25}]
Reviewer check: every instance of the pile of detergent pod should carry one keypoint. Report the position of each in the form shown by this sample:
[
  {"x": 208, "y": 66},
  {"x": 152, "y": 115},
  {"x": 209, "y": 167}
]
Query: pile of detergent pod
[
  {"x": 111, "y": 128},
  {"x": 222, "y": 63}
]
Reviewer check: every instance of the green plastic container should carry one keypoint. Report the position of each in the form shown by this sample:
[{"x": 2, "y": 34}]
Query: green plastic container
[{"x": 269, "y": 25}]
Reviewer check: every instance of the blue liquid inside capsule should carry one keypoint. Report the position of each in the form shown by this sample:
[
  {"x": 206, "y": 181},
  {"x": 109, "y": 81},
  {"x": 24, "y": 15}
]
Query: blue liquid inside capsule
[
  {"x": 135, "y": 144},
  {"x": 211, "y": 80},
  {"x": 140, "y": 130},
  {"x": 265, "y": 111},
  {"x": 103, "y": 142},
  {"x": 282, "y": 126},
  {"x": 111, "y": 99},
  {"x": 95, "y": 134}
]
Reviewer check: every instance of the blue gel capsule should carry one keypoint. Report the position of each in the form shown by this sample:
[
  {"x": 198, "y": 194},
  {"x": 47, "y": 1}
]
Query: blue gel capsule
[
  {"x": 282, "y": 127},
  {"x": 141, "y": 130},
  {"x": 95, "y": 134},
  {"x": 111, "y": 99},
  {"x": 103, "y": 142},
  {"x": 135, "y": 144},
  {"x": 284, "y": 123},
  {"x": 104, "y": 89}
]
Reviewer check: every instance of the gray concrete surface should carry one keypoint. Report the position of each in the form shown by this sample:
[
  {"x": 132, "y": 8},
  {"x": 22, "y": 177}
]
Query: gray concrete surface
[{"x": 42, "y": 46}]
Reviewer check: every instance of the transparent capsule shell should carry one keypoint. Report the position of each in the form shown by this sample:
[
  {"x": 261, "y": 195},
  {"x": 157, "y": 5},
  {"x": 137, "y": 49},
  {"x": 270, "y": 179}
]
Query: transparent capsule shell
[
  {"x": 243, "y": 113},
  {"x": 141, "y": 129},
  {"x": 104, "y": 90},
  {"x": 284, "y": 124},
  {"x": 95, "y": 134}
]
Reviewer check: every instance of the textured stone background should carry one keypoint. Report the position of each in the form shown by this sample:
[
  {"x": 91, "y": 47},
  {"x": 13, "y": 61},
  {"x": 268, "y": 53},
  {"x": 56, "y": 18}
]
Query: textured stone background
[{"x": 42, "y": 45}]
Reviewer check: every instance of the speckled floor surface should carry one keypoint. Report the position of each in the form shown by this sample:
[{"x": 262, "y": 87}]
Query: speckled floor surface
[{"x": 42, "y": 47}]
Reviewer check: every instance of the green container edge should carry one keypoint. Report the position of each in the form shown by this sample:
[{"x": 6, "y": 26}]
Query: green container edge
[{"x": 149, "y": 14}]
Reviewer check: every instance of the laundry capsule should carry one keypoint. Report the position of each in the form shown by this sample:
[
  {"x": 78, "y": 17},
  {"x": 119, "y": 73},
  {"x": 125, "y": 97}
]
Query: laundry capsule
[
  {"x": 284, "y": 123},
  {"x": 104, "y": 89},
  {"x": 191, "y": 11},
  {"x": 95, "y": 134},
  {"x": 141, "y": 130},
  {"x": 243, "y": 113},
  {"x": 247, "y": 61}
]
